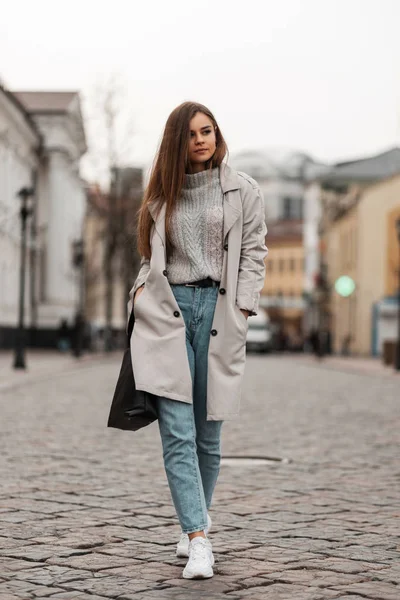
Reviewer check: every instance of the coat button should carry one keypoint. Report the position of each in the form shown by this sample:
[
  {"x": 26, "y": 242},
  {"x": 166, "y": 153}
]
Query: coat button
[
  {"x": 165, "y": 272},
  {"x": 214, "y": 332},
  {"x": 176, "y": 314},
  {"x": 222, "y": 291},
  {"x": 226, "y": 247}
]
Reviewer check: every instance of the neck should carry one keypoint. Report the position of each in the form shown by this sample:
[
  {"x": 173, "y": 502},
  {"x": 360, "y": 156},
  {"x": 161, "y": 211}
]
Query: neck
[{"x": 197, "y": 167}]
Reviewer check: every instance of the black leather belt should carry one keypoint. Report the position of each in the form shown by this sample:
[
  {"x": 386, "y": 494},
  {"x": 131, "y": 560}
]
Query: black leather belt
[{"x": 208, "y": 282}]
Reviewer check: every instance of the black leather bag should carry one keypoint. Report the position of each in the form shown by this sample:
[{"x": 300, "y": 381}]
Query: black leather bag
[{"x": 131, "y": 409}]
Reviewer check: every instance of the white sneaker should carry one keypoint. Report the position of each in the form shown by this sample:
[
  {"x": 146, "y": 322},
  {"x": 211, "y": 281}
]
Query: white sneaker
[
  {"x": 201, "y": 559},
  {"x": 182, "y": 548}
]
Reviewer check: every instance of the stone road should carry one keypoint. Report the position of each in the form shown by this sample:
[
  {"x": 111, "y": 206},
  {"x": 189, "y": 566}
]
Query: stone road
[{"x": 86, "y": 514}]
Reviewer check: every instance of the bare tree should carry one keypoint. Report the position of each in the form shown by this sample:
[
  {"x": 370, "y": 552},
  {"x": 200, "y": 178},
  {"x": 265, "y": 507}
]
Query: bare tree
[{"x": 112, "y": 142}]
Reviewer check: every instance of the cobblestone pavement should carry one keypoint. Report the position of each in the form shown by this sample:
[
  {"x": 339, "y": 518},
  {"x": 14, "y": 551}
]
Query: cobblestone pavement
[
  {"x": 85, "y": 511},
  {"x": 363, "y": 365},
  {"x": 42, "y": 363}
]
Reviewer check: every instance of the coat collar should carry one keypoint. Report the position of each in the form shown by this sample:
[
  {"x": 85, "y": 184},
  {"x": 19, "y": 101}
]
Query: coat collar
[
  {"x": 229, "y": 182},
  {"x": 229, "y": 178}
]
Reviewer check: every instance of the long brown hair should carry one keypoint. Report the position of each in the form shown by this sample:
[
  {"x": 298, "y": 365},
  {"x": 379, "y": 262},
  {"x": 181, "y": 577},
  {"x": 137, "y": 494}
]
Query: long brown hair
[{"x": 169, "y": 167}]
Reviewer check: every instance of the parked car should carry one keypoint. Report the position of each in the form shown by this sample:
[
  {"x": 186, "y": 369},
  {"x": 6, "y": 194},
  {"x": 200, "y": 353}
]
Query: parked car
[{"x": 259, "y": 335}]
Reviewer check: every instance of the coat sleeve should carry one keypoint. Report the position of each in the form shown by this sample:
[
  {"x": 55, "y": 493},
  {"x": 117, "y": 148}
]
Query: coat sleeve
[
  {"x": 253, "y": 250},
  {"x": 140, "y": 280}
]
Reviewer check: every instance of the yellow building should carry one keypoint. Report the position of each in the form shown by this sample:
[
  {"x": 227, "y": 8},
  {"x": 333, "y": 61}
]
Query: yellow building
[
  {"x": 282, "y": 294},
  {"x": 360, "y": 241}
]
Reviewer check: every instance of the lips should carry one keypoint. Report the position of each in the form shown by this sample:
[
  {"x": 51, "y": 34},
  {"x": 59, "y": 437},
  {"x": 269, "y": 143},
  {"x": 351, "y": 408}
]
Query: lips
[{"x": 201, "y": 150}]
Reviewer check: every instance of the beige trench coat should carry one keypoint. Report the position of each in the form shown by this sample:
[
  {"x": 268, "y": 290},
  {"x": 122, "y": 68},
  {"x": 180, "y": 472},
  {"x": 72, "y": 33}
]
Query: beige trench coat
[{"x": 158, "y": 343}]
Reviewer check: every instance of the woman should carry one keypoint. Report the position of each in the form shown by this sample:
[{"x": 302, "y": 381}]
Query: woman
[{"x": 201, "y": 235}]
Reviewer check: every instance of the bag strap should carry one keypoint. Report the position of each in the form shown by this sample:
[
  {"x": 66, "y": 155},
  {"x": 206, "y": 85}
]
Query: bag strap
[{"x": 130, "y": 326}]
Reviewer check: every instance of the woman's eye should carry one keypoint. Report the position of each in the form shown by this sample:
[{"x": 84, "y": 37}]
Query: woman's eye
[{"x": 206, "y": 132}]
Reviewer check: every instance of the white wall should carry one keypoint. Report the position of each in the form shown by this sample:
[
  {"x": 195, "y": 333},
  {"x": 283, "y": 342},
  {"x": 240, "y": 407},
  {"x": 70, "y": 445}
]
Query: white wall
[
  {"x": 65, "y": 211},
  {"x": 61, "y": 202},
  {"x": 312, "y": 216},
  {"x": 18, "y": 142}
]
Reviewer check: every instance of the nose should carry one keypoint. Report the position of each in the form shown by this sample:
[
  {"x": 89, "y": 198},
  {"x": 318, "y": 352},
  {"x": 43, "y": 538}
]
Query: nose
[{"x": 199, "y": 139}]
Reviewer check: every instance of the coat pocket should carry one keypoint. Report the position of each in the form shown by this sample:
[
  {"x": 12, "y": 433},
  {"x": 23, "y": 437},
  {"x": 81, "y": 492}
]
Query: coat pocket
[
  {"x": 241, "y": 321},
  {"x": 242, "y": 318},
  {"x": 137, "y": 301}
]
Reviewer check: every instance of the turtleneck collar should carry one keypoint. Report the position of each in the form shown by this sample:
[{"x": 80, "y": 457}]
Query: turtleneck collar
[{"x": 197, "y": 180}]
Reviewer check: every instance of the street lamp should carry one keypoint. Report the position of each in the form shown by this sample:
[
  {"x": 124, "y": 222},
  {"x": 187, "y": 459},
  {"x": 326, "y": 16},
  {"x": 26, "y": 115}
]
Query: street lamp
[
  {"x": 397, "y": 359},
  {"x": 19, "y": 358}
]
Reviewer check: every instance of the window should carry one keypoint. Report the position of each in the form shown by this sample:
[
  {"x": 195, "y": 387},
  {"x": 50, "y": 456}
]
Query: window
[
  {"x": 287, "y": 208},
  {"x": 292, "y": 264},
  {"x": 281, "y": 265},
  {"x": 292, "y": 207},
  {"x": 301, "y": 208}
]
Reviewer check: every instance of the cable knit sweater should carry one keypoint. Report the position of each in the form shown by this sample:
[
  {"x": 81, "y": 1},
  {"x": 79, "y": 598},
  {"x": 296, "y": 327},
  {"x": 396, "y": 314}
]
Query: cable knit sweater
[{"x": 197, "y": 230}]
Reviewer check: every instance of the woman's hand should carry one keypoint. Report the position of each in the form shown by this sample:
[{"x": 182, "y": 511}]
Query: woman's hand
[
  {"x": 245, "y": 313},
  {"x": 137, "y": 294}
]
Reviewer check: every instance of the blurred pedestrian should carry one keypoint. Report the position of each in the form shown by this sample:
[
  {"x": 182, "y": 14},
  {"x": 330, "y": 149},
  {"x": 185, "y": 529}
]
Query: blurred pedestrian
[
  {"x": 78, "y": 334},
  {"x": 315, "y": 342},
  {"x": 63, "y": 336},
  {"x": 346, "y": 345},
  {"x": 201, "y": 236}
]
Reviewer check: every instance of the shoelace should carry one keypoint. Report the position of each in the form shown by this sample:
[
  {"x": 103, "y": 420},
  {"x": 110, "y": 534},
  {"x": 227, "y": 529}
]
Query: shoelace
[{"x": 197, "y": 551}]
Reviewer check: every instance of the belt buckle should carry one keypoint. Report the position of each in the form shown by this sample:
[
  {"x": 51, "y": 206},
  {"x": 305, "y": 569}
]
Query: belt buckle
[{"x": 190, "y": 285}]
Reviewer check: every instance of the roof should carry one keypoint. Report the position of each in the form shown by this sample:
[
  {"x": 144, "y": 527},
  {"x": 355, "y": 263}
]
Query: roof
[
  {"x": 46, "y": 102},
  {"x": 272, "y": 163},
  {"x": 373, "y": 168},
  {"x": 21, "y": 107},
  {"x": 56, "y": 103}
]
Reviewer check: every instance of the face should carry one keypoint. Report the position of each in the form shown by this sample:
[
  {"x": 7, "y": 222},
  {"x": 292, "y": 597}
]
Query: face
[{"x": 202, "y": 142}]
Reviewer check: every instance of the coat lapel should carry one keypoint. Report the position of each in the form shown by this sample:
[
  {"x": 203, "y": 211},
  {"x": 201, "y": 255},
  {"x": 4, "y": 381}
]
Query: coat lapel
[{"x": 232, "y": 202}]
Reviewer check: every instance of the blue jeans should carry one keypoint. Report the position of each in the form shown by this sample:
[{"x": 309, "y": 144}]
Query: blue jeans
[{"x": 191, "y": 444}]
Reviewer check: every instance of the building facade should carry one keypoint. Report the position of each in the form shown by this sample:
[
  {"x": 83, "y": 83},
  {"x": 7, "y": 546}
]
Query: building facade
[
  {"x": 313, "y": 278},
  {"x": 20, "y": 144},
  {"x": 283, "y": 178},
  {"x": 282, "y": 294},
  {"x": 360, "y": 205},
  {"x": 57, "y": 219}
]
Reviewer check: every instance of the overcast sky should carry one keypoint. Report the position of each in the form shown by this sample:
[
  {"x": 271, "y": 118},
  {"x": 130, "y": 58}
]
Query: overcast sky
[{"x": 322, "y": 76}]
